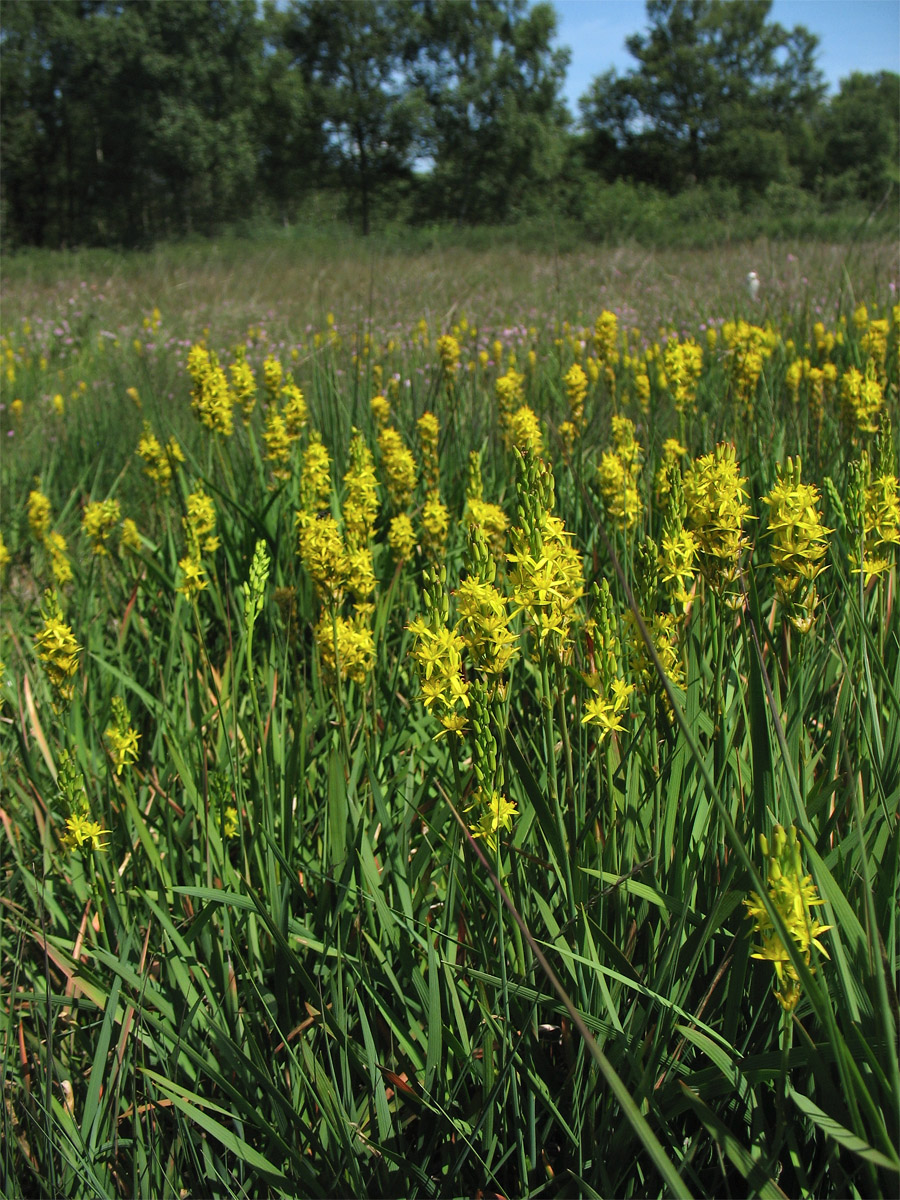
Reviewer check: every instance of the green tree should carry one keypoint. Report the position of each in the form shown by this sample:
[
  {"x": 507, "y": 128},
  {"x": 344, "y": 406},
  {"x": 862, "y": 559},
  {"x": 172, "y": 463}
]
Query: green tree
[
  {"x": 861, "y": 136},
  {"x": 350, "y": 58},
  {"x": 719, "y": 90},
  {"x": 125, "y": 120},
  {"x": 491, "y": 81}
]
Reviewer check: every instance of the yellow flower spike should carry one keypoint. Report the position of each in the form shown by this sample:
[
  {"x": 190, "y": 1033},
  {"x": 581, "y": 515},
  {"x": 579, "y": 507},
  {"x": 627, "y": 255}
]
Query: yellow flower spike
[
  {"x": 315, "y": 477},
  {"x": 39, "y": 513},
  {"x": 449, "y": 352},
  {"x": 399, "y": 467},
  {"x": 122, "y": 738},
  {"x": 576, "y": 383},
  {"x": 401, "y": 537},
  {"x": 429, "y": 432},
  {"x": 98, "y": 522},
  {"x": 58, "y": 650},
  {"x": 793, "y": 895}
]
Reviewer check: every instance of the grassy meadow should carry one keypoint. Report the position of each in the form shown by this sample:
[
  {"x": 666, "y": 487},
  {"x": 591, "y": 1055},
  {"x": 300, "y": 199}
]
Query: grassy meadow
[{"x": 450, "y": 721}]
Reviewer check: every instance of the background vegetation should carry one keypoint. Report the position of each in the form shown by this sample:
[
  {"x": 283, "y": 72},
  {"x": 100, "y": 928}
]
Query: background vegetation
[{"x": 124, "y": 123}]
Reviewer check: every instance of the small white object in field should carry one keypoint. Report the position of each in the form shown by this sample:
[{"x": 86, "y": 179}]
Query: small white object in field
[{"x": 753, "y": 285}]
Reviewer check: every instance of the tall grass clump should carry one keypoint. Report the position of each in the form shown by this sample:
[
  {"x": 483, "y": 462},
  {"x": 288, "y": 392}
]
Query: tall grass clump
[{"x": 452, "y": 758}]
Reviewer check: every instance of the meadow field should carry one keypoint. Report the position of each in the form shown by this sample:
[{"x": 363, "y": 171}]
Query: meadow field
[{"x": 450, "y": 721}]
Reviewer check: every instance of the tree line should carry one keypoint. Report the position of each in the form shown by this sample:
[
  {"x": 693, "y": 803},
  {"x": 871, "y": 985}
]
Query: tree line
[{"x": 125, "y": 121}]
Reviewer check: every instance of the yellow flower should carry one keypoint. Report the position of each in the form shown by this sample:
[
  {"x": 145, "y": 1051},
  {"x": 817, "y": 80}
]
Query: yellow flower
[
  {"x": 381, "y": 411},
  {"x": 123, "y": 740},
  {"x": 315, "y": 479},
  {"x": 81, "y": 831},
  {"x": 130, "y": 536},
  {"x": 39, "y": 513},
  {"x": 525, "y": 431},
  {"x": 435, "y": 524},
  {"x": 324, "y": 555},
  {"x": 242, "y": 382},
  {"x": 792, "y": 894},
  {"x": 346, "y": 647},
  {"x": 399, "y": 467},
  {"x": 360, "y": 507},
  {"x": 483, "y": 622},
  {"x": 98, "y": 521},
  {"x": 60, "y": 565},
  {"x": 576, "y": 389},
  {"x": 278, "y": 444},
  {"x": 496, "y": 813},
  {"x": 449, "y": 352},
  {"x": 57, "y": 650},
  {"x": 159, "y": 460},
  {"x": 210, "y": 396},
  {"x": 429, "y": 431},
  {"x": 401, "y": 537},
  {"x": 273, "y": 374},
  {"x": 798, "y": 543},
  {"x": 200, "y": 523},
  {"x": 715, "y": 495},
  {"x": 193, "y": 577},
  {"x": 607, "y": 711}
]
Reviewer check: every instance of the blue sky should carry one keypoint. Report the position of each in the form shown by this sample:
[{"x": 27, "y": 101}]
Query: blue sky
[{"x": 854, "y": 35}]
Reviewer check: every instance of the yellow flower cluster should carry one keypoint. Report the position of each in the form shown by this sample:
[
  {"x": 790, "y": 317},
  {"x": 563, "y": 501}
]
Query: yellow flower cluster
[
  {"x": 509, "y": 390},
  {"x": 80, "y": 829},
  {"x": 875, "y": 498},
  {"x": 576, "y": 383},
  {"x": 862, "y": 398},
  {"x": 346, "y": 647},
  {"x": 525, "y": 431},
  {"x": 608, "y": 701},
  {"x": 121, "y": 737},
  {"x": 496, "y": 814},
  {"x": 438, "y": 652},
  {"x": 798, "y": 542},
  {"x": 618, "y": 475},
  {"x": 429, "y": 432},
  {"x": 399, "y": 467},
  {"x": 243, "y": 385},
  {"x": 315, "y": 478},
  {"x": 159, "y": 460},
  {"x": 39, "y": 517},
  {"x": 58, "y": 650},
  {"x": 39, "y": 514},
  {"x": 401, "y": 537},
  {"x": 435, "y": 526},
  {"x": 211, "y": 398},
  {"x": 449, "y": 352},
  {"x": 748, "y": 347},
  {"x": 483, "y": 623},
  {"x": 683, "y": 364},
  {"x": 199, "y": 528},
  {"x": 273, "y": 375},
  {"x": 546, "y": 578},
  {"x": 716, "y": 499},
  {"x": 324, "y": 555},
  {"x": 98, "y": 522},
  {"x": 606, "y": 338},
  {"x": 360, "y": 507},
  {"x": 792, "y": 895}
]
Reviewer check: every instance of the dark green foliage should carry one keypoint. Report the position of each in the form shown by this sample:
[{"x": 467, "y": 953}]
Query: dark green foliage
[{"x": 124, "y": 122}]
